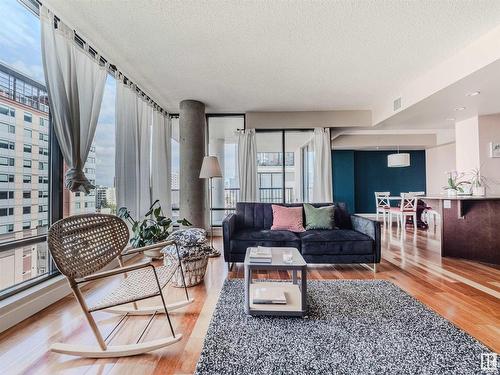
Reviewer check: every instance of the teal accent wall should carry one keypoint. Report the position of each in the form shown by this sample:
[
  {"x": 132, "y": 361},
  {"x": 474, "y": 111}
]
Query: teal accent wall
[
  {"x": 358, "y": 174},
  {"x": 343, "y": 178}
]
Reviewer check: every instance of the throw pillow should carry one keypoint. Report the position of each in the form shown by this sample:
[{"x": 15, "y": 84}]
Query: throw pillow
[
  {"x": 189, "y": 236},
  {"x": 287, "y": 218},
  {"x": 320, "y": 217}
]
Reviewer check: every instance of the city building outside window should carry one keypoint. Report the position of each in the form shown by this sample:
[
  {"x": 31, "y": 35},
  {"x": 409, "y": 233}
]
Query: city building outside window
[
  {"x": 8, "y": 145},
  {"x": 28, "y": 117},
  {"x": 23, "y": 110},
  {"x": 6, "y": 161},
  {"x": 6, "y": 177}
]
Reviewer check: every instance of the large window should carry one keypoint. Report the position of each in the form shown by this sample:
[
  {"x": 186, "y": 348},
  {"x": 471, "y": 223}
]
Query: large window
[
  {"x": 285, "y": 179},
  {"x": 270, "y": 173},
  {"x": 24, "y": 186},
  {"x": 223, "y": 143}
]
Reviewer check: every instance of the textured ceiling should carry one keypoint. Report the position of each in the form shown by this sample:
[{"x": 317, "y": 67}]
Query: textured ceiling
[{"x": 239, "y": 56}]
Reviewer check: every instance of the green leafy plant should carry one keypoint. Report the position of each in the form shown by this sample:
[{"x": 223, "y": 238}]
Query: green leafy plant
[
  {"x": 153, "y": 228},
  {"x": 477, "y": 179},
  {"x": 456, "y": 182}
]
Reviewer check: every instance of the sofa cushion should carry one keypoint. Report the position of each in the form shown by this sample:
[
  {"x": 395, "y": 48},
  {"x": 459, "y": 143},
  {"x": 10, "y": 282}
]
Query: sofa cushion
[
  {"x": 319, "y": 217},
  {"x": 260, "y": 215},
  {"x": 287, "y": 218},
  {"x": 337, "y": 241},
  {"x": 242, "y": 239}
]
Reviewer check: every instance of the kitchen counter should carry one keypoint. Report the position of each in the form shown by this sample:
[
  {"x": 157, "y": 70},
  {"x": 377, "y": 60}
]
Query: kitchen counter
[{"x": 470, "y": 226}]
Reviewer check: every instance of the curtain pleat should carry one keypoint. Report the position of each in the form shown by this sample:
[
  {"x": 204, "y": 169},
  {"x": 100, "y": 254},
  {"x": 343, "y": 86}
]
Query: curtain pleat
[
  {"x": 247, "y": 165},
  {"x": 161, "y": 162},
  {"x": 133, "y": 150},
  {"x": 322, "y": 185},
  {"x": 75, "y": 86}
]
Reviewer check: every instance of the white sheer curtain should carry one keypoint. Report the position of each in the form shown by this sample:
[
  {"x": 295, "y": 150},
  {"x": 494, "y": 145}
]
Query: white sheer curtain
[
  {"x": 322, "y": 185},
  {"x": 132, "y": 151},
  {"x": 160, "y": 164},
  {"x": 75, "y": 86},
  {"x": 247, "y": 165}
]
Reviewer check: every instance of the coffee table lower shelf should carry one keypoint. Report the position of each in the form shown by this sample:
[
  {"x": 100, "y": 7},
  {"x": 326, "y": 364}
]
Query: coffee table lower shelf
[{"x": 293, "y": 306}]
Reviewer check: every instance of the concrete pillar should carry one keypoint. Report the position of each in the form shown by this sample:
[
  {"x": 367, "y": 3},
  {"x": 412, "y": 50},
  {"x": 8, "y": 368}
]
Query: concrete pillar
[
  {"x": 216, "y": 148},
  {"x": 193, "y": 192}
]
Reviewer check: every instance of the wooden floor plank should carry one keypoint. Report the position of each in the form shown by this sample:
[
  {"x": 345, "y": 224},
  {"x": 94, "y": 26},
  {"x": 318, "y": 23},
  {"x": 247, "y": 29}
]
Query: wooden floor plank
[{"x": 464, "y": 292}]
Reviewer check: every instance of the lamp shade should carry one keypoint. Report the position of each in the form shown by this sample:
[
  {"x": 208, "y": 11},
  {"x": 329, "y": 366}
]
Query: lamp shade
[
  {"x": 210, "y": 167},
  {"x": 398, "y": 160}
]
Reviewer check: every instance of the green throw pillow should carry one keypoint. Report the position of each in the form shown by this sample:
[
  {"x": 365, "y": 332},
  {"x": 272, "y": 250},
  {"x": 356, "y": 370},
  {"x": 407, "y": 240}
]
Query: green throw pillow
[{"x": 319, "y": 218}]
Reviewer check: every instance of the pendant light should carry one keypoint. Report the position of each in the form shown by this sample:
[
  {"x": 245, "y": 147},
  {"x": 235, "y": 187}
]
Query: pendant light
[{"x": 398, "y": 160}]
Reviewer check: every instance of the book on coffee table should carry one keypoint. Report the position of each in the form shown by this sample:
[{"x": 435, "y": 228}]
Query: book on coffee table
[
  {"x": 267, "y": 295},
  {"x": 261, "y": 255}
]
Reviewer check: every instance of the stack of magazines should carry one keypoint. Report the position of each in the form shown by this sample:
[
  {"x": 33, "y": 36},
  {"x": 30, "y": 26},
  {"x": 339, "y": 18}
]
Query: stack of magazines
[
  {"x": 261, "y": 255},
  {"x": 269, "y": 296}
]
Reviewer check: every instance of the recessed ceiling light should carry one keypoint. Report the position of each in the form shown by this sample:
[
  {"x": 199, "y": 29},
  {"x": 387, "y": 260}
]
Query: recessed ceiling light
[
  {"x": 474, "y": 93},
  {"x": 459, "y": 108},
  {"x": 450, "y": 119}
]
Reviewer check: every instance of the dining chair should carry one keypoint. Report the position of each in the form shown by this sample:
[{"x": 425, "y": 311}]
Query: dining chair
[
  {"x": 81, "y": 246},
  {"x": 382, "y": 204},
  {"x": 408, "y": 207}
]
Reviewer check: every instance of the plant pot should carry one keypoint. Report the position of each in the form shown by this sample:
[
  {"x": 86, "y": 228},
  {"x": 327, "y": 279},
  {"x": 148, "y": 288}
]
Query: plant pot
[
  {"x": 479, "y": 191},
  {"x": 451, "y": 192}
]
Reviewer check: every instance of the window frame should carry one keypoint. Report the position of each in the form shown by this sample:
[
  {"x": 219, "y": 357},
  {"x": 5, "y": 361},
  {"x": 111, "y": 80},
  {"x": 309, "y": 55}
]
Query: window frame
[
  {"x": 207, "y": 140},
  {"x": 55, "y": 207},
  {"x": 283, "y": 151}
]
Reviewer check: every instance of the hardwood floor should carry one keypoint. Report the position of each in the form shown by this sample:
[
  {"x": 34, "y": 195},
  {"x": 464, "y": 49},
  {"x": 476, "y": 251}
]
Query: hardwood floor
[{"x": 466, "y": 293}]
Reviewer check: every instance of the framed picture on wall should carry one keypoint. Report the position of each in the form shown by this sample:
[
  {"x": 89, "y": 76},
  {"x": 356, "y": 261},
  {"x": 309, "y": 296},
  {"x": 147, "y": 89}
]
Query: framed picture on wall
[{"x": 494, "y": 149}]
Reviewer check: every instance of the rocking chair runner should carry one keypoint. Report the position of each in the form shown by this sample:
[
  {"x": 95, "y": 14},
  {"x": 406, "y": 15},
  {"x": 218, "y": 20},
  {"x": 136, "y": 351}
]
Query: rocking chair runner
[{"x": 81, "y": 245}]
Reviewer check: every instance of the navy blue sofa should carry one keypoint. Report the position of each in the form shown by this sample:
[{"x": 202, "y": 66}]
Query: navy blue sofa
[{"x": 356, "y": 239}]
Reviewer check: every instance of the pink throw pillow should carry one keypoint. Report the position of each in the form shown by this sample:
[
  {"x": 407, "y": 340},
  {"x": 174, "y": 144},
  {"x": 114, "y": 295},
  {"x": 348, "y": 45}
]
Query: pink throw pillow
[{"x": 287, "y": 218}]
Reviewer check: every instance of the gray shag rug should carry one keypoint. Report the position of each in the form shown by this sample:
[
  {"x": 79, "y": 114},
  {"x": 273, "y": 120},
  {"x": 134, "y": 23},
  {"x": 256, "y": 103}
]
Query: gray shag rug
[{"x": 353, "y": 327}]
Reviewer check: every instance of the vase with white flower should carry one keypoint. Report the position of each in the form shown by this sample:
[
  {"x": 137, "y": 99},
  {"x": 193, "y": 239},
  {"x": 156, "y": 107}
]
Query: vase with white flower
[
  {"x": 457, "y": 184},
  {"x": 479, "y": 183}
]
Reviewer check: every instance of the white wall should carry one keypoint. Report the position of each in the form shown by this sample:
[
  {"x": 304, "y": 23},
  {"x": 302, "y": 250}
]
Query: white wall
[
  {"x": 438, "y": 161},
  {"x": 489, "y": 131},
  {"x": 383, "y": 141},
  {"x": 467, "y": 144},
  {"x": 307, "y": 119}
]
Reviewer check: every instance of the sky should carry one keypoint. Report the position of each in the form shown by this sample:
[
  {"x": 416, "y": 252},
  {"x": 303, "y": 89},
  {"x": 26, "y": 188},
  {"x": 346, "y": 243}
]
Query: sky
[{"x": 23, "y": 52}]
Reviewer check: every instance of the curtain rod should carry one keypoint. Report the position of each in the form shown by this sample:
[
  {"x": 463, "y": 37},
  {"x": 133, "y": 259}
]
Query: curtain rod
[{"x": 112, "y": 68}]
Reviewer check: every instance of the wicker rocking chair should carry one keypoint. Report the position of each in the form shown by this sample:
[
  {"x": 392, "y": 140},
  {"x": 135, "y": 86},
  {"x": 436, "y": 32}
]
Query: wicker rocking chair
[{"x": 81, "y": 245}]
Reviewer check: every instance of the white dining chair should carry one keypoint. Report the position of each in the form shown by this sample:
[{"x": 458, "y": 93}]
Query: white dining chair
[
  {"x": 382, "y": 204},
  {"x": 408, "y": 207}
]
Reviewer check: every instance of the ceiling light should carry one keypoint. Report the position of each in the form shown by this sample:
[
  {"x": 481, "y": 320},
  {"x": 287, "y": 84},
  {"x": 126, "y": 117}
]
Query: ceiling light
[
  {"x": 398, "y": 160},
  {"x": 474, "y": 93},
  {"x": 459, "y": 108}
]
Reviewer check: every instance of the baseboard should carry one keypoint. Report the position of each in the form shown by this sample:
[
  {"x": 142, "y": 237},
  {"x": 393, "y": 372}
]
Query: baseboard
[{"x": 20, "y": 306}]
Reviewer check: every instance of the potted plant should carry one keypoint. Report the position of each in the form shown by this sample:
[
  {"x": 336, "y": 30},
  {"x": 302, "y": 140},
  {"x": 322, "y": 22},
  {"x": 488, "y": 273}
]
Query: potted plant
[
  {"x": 153, "y": 228},
  {"x": 457, "y": 184},
  {"x": 479, "y": 183}
]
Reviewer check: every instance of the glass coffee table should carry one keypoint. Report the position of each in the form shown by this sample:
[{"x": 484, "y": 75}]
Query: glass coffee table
[{"x": 295, "y": 290}]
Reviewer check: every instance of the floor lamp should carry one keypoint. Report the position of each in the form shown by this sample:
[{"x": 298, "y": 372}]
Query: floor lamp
[{"x": 210, "y": 168}]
